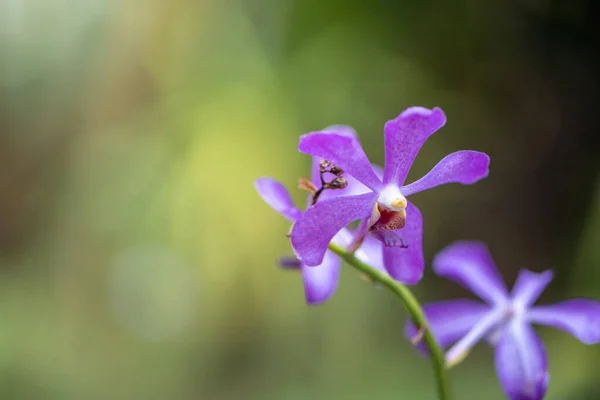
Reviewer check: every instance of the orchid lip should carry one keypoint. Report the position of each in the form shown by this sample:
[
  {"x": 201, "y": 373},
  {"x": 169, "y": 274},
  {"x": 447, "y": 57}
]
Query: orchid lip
[{"x": 392, "y": 199}]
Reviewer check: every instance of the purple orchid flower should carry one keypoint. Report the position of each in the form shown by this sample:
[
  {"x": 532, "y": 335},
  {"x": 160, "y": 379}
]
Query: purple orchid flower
[
  {"x": 505, "y": 321},
  {"x": 383, "y": 210},
  {"x": 320, "y": 281}
]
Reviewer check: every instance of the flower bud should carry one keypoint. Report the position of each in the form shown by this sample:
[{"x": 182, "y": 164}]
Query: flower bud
[
  {"x": 338, "y": 183},
  {"x": 324, "y": 164},
  {"x": 337, "y": 171}
]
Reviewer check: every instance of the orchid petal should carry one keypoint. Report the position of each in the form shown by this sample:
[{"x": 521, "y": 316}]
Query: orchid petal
[
  {"x": 466, "y": 167},
  {"x": 289, "y": 262},
  {"x": 343, "y": 130},
  {"x": 404, "y": 137},
  {"x": 343, "y": 151},
  {"x": 470, "y": 265},
  {"x": 371, "y": 252},
  {"x": 449, "y": 320},
  {"x": 353, "y": 188},
  {"x": 314, "y": 230},
  {"x": 321, "y": 281},
  {"x": 521, "y": 363},
  {"x": 407, "y": 264},
  {"x": 529, "y": 286},
  {"x": 378, "y": 171},
  {"x": 277, "y": 196},
  {"x": 579, "y": 317},
  {"x": 480, "y": 330}
]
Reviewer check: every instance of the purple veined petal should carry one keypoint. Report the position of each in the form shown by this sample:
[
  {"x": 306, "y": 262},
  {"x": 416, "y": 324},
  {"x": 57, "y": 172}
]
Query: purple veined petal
[
  {"x": 277, "y": 196},
  {"x": 321, "y": 281},
  {"x": 314, "y": 230},
  {"x": 371, "y": 252},
  {"x": 449, "y": 320},
  {"x": 359, "y": 234},
  {"x": 314, "y": 172},
  {"x": 343, "y": 130},
  {"x": 378, "y": 171},
  {"x": 485, "y": 326},
  {"x": 529, "y": 286},
  {"x": 353, "y": 188},
  {"x": 579, "y": 317},
  {"x": 404, "y": 137},
  {"x": 343, "y": 151},
  {"x": 289, "y": 262},
  {"x": 521, "y": 363},
  {"x": 407, "y": 264},
  {"x": 466, "y": 167},
  {"x": 343, "y": 237},
  {"x": 470, "y": 264}
]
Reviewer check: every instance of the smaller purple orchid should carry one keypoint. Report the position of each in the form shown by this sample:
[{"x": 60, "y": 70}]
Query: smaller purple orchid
[
  {"x": 320, "y": 281},
  {"x": 505, "y": 321},
  {"x": 384, "y": 212}
]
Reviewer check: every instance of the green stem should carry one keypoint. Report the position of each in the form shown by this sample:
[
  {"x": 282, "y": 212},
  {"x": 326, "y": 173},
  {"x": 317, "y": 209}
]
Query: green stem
[{"x": 414, "y": 309}]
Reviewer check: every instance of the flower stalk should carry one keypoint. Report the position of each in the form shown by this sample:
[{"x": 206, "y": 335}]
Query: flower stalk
[{"x": 414, "y": 309}]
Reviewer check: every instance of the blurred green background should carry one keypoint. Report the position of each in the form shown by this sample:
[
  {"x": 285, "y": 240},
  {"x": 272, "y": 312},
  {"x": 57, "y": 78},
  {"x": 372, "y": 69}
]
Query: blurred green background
[{"x": 137, "y": 261}]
